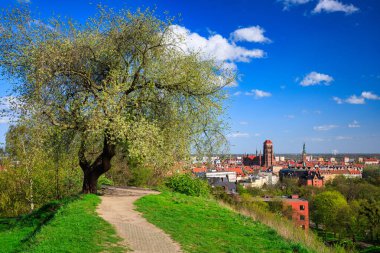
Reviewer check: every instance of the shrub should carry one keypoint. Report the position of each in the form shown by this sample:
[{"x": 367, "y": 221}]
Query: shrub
[
  {"x": 186, "y": 184},
  {"x": 103, "y": 180}
]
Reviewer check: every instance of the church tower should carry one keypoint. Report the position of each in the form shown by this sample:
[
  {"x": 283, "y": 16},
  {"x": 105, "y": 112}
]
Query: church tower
[
  {"x": 304, "y": 153},
  {"x": 268, "y": 153}
]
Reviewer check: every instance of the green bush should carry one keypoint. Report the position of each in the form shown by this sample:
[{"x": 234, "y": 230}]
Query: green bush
[
  {"x": 186, "y": 184},
  {"x": 103, "y": 180}
]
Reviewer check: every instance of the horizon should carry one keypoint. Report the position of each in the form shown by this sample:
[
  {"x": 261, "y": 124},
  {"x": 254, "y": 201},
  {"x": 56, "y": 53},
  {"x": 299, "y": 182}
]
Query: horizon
[{"x": 307, "y": 71}]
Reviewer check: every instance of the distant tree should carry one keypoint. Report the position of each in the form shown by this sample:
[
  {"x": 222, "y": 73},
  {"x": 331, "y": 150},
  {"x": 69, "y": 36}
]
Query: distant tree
[
  {"x": 326, "y": 207},
  {"x": 371, "y": 173},
  {"x": 123, "y": 82},
  {"x": 371, "y": 211}
]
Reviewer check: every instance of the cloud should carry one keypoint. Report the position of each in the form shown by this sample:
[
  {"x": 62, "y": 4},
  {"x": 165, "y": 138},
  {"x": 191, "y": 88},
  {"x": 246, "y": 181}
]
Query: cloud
[
  {"x": 258, "y": 93},
  {"x": 315, "y": 78},
  {"x": 338, "y": 100},
  {"x": 236, "y": 93},
  {"x": 257, "y": 134},
  {"x": 238, "y": 135},
  {"x": 243, "y": 123},
  {"x": 23, "y": 1},
  {"x": 341, "y": 138},
  {"x": 354, "y": 124},
  {"x": 334, "y": 6},
  {"x": 369, "y": 95},
  {"x": 215, "y": 46},
  {"x": 355, "y": 100},
  {"x": 324, "y": 127},
  {"x": 4, "y": 120},
  {"x": 250, "y": 34},
  {"x": 224, "y": 51},
  {"x": 317, "y": 139},
  {"x": 358, "y": 100},
  {"x": 289, "y": 116},
  {"x": 290, "y": 3},
  {"x": 7, "y": 106}
]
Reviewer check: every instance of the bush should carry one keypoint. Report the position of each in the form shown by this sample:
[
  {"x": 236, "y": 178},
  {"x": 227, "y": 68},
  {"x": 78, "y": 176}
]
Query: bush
[
  {"x": 186, "y": 184},
  {"x": 104, "y": 181}
]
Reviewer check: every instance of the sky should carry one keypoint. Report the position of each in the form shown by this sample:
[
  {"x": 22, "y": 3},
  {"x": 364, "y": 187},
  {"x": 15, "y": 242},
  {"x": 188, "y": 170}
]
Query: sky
[{"x": 308, "y": 70}]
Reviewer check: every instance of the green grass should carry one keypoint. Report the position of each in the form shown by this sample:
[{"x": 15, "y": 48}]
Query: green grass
[
  {"x": 70, "y": 225},
  {"x": 202, "y": 225}
]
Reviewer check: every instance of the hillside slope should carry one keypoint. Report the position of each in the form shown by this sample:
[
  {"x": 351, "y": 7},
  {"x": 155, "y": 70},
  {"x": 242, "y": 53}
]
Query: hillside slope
[
  {"x": 202, "y": 225},
  {"x": 69, "y": 225}
]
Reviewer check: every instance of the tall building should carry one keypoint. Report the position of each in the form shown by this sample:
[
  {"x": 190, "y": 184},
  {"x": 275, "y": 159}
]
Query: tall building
[
  {"x": 304, "y": 153},
  {"x": 268, "y": 153}
]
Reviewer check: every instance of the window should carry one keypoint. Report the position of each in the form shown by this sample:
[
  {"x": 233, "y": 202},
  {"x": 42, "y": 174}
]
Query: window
[
  {"x": 302, "y": 217},
  {"x": 302, "y": 207},
  {"x": 303, "y": 227}
]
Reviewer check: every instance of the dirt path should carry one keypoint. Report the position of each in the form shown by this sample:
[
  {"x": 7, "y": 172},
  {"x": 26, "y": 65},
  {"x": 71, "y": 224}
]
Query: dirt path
[{"x": 139, "y": 235}]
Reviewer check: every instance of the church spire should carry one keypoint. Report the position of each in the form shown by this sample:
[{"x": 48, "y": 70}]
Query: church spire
[{"x": 304, "y": 154}]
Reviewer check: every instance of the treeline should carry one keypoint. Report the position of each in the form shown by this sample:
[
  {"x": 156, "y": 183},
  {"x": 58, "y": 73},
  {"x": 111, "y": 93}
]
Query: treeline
[{"x": 39, "y": 165}]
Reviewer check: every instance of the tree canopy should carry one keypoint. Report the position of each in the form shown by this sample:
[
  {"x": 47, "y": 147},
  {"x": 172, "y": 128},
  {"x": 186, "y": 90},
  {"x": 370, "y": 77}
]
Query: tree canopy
[{"x": 122, "y": 82}]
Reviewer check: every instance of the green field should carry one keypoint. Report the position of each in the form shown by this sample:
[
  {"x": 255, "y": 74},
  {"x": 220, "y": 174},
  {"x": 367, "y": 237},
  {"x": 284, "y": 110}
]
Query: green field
[
  {"x": 202, "y": 225},
  {"x": 69, "y": 225}
]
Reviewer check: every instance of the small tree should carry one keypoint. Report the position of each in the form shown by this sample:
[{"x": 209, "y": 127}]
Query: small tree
[{"x": 122, "y": 82}]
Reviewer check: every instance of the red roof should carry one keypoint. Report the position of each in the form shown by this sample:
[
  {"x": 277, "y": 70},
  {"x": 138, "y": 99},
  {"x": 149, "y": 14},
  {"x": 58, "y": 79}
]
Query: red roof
[
  {"x": 248, "y": 169},
  {"x": 199, "y": 170},
  {"x": 267, "y": 141},
  {"x": 238, "y": 171},
  {"x": 251, "y": 157}
]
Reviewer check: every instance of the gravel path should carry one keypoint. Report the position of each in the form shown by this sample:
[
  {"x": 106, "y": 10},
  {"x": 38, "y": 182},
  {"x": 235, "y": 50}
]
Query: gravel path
[{"x": 139, "y": 235}]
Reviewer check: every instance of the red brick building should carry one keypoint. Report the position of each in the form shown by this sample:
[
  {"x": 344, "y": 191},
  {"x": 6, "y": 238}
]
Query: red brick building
[
  {"x": 300, "y": 211},
  {"x": 268, "y": 153}
]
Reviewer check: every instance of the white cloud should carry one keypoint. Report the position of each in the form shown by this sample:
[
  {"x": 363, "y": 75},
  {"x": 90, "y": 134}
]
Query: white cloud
[
  {"x": 354, "y": 124},
  {"x": 315, "y": 78},
  {"x": 243, "y": 123},
  {"x": 289, "y": 3},
  {"x": 238, "y": 135},
  {"x": 236, "y": 93},
  {"x": 341, "y": 138},
  {"x": 250, "y": 34},
  {"x": 290, "y": 116},
  {"x": 358, "y": 100},
  {"x": 23, "y": 1},
  {"x": 257, "y": 134},
  {"x": 333, "y": 6},
  {"x": 7, "y": 104},
  {"x": 324, "y": 127},
  {"x": 215, "y": 46},
  {"x": 369, "y": 95},
  {"x": 338, "y": 100},
  {"x": 355, "y": 100},
  {"x": 4, "y": 120},
  {"x": 317, "y": 139},
  {"x": 258, "y": 93}
]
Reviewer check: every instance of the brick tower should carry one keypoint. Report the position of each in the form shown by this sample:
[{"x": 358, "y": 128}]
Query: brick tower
[{"x": 268, "y": 153}]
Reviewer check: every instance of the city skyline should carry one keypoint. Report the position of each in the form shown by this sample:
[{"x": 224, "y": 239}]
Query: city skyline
[{"x": 308, "y": 71}]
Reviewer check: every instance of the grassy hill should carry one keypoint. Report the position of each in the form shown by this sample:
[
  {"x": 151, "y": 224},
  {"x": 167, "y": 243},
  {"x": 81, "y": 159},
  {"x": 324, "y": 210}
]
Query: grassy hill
[
  {"x": 69, "y": 225},
  {"x": 202, "y": 225}
]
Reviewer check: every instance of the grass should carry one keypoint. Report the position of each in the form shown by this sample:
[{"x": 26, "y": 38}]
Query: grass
[
  {"x": 69, "y": 225},
  {"x": 202, "y": 225}
]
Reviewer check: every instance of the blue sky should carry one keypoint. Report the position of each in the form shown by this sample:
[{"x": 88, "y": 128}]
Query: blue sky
[{"x": 309, "y": 70}]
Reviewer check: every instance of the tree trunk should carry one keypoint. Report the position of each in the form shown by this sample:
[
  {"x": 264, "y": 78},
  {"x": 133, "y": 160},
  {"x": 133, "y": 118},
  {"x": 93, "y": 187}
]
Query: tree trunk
[
  {"x": 90, "y": 182},
  {"x": 92, "y": 171}
]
